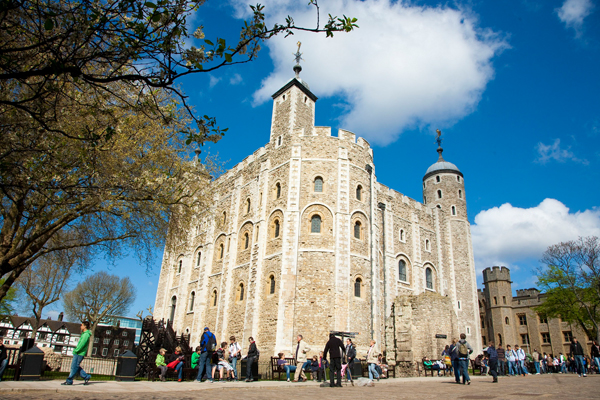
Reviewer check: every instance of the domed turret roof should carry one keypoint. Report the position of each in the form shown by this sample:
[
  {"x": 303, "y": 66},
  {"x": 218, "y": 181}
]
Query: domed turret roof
[{"x": 441, "y": 166}]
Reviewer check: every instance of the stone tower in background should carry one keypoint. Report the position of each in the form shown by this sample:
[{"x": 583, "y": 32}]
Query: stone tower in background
[
  {"x": 497, "y": 301},
  {"x": 444, "y": 193}
]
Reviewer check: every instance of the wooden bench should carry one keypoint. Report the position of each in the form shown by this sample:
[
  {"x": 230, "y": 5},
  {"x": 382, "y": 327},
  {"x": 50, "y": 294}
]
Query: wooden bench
[
  {"x": 278, "y": 369},
  {"x": 188, "y": 373},
  {"x": 476, "y": 367}
]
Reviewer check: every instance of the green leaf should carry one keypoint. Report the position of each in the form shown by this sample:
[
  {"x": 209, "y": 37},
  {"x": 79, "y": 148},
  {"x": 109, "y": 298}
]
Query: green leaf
[
  {"x": 228, "y": 57},
  {"x": 150, "y": 4},
  {"x": 208, "y": 42},
  {"x": 156, "y": 17},
  {"x": 49, "y": 25}
]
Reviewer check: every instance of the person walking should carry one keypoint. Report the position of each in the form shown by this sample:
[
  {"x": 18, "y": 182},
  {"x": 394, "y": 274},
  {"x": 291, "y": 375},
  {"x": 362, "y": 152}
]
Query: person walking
[
  {"x": 78, "y": 354},
  {"x": 577, "y": 352},
  {"x": 454, "y": 359},
  {"x": 336, "y": 347},
  {"x": 350, "y": 356},
  {"x": 208, "y": 344},
  {"x": 372, "y": 361},
  {"x": 251, "y": 359},
  {"x": 522, "y": 369},
  {"x": 301, "y": 362},
  {"x": 493, "y": 361},
  {"x": 464, "y": 350},
  {"x": 595, "y": 353}
]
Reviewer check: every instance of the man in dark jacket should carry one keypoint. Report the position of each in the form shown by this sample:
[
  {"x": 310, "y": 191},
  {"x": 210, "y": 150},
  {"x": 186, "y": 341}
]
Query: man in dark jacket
[
  {"x": 493, "y": 361},
  {"x": 251, "y": 358},
  {"x": 3, "y": 357},
  {"x": 207, "y": 342},
  {"x": 350, "y": 355},
  {"x": 577, "y": 352},
  {"x": 501, "y": 360},
  {"x": 336, "y": 347},
  {"x": 595, "y": 354}
]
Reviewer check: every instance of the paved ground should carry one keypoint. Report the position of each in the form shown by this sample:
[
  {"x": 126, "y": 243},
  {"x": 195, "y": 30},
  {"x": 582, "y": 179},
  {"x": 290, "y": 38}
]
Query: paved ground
[{"x": 556, "y": 386}]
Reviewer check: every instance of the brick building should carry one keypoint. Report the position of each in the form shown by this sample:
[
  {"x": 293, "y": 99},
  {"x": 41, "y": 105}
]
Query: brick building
[
  {"x": 303, "y": 239},
  {"x": 513, "y": 320}
]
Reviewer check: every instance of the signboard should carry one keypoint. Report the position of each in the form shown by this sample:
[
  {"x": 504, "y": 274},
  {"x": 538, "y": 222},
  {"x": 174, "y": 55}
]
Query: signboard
[{"x": 440, "y": 336}]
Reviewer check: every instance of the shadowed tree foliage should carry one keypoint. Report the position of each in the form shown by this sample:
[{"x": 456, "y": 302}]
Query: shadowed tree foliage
[
  {"x": 99, "y": 298},
  {"x": 571, "y": 279},
  {"x": 93, "y": 131}
]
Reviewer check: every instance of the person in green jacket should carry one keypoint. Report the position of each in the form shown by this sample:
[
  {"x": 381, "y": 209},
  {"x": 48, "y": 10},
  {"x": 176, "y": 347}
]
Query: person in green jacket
[
  {"x": 161, "y": 364},
  {"x": 196, "y": 357},
  {"x": 78, "y": 354}
]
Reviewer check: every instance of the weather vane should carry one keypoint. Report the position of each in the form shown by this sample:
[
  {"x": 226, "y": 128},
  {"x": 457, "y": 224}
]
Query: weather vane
[
  {"x": 439, "y": 138},
  {"x": 298, "y": 55}
]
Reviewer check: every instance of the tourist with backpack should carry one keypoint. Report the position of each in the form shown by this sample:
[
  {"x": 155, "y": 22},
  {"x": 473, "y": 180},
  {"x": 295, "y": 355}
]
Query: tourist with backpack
[
  {"x": 464, "y": 350},
  {"x": 454, "y": 359},
  {"x": 208, "y": 344}
]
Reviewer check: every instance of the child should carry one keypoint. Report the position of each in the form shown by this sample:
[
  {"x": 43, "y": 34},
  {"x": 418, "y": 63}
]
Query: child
[
  {"x": 222, "y": 364},
  {"x": 177, "y": 360},
  {"x": 160, "y": 363},
  {"x": 314, "y": 368},
  {"x": 323, "y": 364},
  {"x": 196, "y": 357}
]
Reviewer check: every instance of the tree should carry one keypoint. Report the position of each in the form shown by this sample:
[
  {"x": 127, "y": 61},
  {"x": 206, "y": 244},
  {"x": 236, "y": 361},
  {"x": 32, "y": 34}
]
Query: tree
[
  {"x": 7, "y": 306},
  {"x": 99, "y": 298},
  {"x": 93, "y": 130},
  {"x": 45, "y": 281},
  {"x": 571, "y": 279}
]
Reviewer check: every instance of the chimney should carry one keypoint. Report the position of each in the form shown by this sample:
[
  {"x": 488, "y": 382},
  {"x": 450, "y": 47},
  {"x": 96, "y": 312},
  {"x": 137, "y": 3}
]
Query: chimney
[{"x": 60, "y": 316}]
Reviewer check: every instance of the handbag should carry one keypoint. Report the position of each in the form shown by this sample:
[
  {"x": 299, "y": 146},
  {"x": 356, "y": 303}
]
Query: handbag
[
  {"x": 173, "y": 364},
  {"x": 447, "y": 360}
]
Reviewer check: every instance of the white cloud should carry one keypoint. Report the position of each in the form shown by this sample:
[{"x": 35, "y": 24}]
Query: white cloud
[
  {"x": 555, "y": 152},
  {"x": 213, "y": 80},
  {"x": 406, "y": 66},
  {"x": 573, "y": 12},
  {"x": 505, "y": 235},
  {"x": 235, "y": 79}
]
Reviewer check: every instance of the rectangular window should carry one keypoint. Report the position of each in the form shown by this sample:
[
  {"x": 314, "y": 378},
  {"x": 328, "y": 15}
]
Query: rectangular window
[
  {"x": 104, "y": 352},
  {"x": 546, "y": 338},
  {"x": 504, "y": 299},
  {"x": 107, "y": 332},
  {"x": 124, "y": 333},
  {"x": 126, "y": 343},
  {"x": 525, "y": 338},
  {"x": 543, "y": 319},
  {"x": 522, "y": 319},
  {"x": 116, "y": 352},
  {"x": 106, "y": 341},
  {"x": 568, "y": 335},
  {"x": 116, "y": 342},
  {"x": 484, "y": 342},
  {"x": 96, "y": 339},
  {"x": 94, "y": 351},
  {"x": 495, "y": 301}
]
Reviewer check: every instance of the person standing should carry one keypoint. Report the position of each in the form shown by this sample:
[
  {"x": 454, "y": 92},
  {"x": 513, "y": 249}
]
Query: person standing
[
  {"x": 350, "y": 356},
  {"x": 454, "y": 359},
  {"x": 522, "y": 369},
  {"x": 251, "y": 359},
  {"x": 336, "y": 347},
  {"x": 595, "y": 353},
  {"x": 3, "y": 357},
  {"x": 501, "y": 360},
  {"x": 301, "y": 349},
  {"x": 372, "y": 361},
  {"x": 511, "y": 357},
  {"x": 235, "y": 353},
  {"x": 464, "y": 350},
  {"x": 78, "y": 354},
  {"x": 208, "y": 344},
  {"x": 536, "y": 361},
  {"x": 493, "y": 361},
  {"x": 577, "y": 352}
]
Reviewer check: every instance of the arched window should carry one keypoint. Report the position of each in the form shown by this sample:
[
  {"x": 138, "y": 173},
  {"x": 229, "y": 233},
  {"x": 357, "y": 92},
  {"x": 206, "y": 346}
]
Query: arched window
[
  {"x": 271, "y": 284},
  {"x": 506, "y": 321},
  {"x": 439, "y": 192},
  {"x": 357, "y": 229},
  {"x": 241, "y": 298},
  {"x": 192, "y": 297},
  {"x": 224, "y": 217},
  {"x": 246, "y": 240},
  {"x": 277, "y": 190},
  {"x": 221, "y": 250},
  {"x": 439, "y": 206},
  {"x": 247, "y": 205},
  {"x": 437, "y": 178},
  {"x": 173, "y": 305},
  {"x": 453, "y": 210},
  {"x": 402, "y": 235},
  {"x": 214, "y": 298},
  {"x": 460, "y": 194},
  {"x": 315, "y": 224},
  {"x": 180, "y": 264},
  {"x": 279, "y": 140},
  {"x": 359, "y": 193},
  {"x": 427, "y": 245},
  {"x": 402, "y": 270},
  {"x": 318, "y": 184},
  {"x": 458, "y": 178},
  {"x": 199, "y": 258},
  {"x": 276, "y": 229},
  {"x": 357, "y": 284},
  {"x": 429, "y": 278},
  {"x": 499, "y": 340}
]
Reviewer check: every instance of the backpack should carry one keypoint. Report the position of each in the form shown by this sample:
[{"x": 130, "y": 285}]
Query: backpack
[
  {"x": 447, "y": 361},
  {"x": 212, "y": 343},
  {"x": 463, "y": 350}
]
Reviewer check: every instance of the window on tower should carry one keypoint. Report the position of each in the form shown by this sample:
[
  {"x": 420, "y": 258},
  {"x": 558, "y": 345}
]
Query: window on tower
[
  {"x": 357, "y": 229},
  {"x": 318, "y": 184},
  {"x": 357, "y": 287},
  {"x": 402, "y": 270},
  {"x": 453, "y": 210},
  {"x": 437, "y": 178},
  {"x": 315, "y": 224},
  {"x": 439, "y": 193}
]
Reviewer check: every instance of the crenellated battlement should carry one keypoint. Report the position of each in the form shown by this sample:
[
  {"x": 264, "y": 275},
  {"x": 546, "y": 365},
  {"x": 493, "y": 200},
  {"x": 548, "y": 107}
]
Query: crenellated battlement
[{"x": 496, "y": 274}]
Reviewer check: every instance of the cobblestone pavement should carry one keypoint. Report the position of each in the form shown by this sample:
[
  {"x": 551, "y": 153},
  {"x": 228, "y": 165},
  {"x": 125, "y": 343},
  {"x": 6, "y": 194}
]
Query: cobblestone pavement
[{"x": 564, "y": 387}]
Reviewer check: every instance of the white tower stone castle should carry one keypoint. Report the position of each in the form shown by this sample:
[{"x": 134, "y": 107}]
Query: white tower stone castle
[{"x": 303, "y": 239}]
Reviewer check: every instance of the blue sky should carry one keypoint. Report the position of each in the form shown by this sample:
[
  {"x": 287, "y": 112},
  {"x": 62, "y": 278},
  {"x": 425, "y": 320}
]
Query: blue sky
[{"x": 513, "y": 85}]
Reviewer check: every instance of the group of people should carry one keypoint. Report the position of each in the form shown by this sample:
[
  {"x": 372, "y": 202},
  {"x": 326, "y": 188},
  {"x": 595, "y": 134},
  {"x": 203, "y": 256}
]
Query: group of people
[{"x": 208, "y": 359}]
